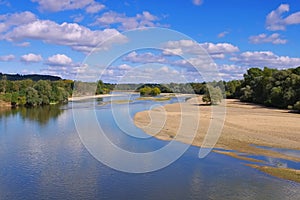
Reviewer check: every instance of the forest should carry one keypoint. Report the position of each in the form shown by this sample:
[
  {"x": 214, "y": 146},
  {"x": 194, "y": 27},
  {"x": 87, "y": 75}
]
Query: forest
[
  {"x": 31, "y": 93},
  {"x": 269, "y": 87}
]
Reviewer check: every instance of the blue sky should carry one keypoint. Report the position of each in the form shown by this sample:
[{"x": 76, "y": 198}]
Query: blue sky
[{"x": 56, "y": 37}]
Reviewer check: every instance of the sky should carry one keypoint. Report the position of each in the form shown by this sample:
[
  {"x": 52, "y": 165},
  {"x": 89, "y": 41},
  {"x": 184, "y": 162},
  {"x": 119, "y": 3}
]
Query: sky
[{"x": 188, "y": 40}]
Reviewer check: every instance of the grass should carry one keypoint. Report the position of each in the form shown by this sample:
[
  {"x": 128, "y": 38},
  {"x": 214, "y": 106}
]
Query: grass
[{"x": 284, "y": 173}]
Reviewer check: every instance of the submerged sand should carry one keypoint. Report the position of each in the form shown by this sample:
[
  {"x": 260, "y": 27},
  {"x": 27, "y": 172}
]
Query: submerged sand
[{"x": 245, "y": 126}]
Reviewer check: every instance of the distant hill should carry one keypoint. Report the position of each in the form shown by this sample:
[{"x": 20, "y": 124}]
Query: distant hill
[{"x": 34, "y": 77}]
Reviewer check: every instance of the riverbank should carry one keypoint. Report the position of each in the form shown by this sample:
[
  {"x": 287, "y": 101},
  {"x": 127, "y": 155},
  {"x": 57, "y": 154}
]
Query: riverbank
[
  {"x": 246, "y": 126},
  {"x": 80, "y": 98},
  {"x": 4, "y": 105}
]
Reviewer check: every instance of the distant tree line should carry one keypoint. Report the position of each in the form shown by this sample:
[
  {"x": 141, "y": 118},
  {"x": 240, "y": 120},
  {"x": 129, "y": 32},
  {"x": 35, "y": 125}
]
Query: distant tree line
[
  {"x": 34, "y": 77},
  {"x": 92, "y": 88}
]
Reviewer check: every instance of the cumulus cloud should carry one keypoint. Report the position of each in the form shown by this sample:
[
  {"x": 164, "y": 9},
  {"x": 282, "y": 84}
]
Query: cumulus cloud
[
  {"x": 68, "y": 72},
  {"x": 145, "y": 19},
  {"x": 148, "y": 57},
  {"x": 197, "y": 2},
  {"x": 217, "y": 51},
  {"x": 6, "y": 58},
  {"x": 9, "y": 20},
  {"x": 265, "y": 58},
  {"x": 77, "y": 37},
  {"x": 63, "y": 66},
  {"x": 264, "y": 38},
  {"x": 275, "y": 20},
  {"x": 148, "y": 74},
  {"x": 31, "y": 58},
  {"x": 230, "y": 72},
  {"x": 220, "y": 49},
  {"x": 55, "y": 6},
  {"x": 59, "y": 59}
]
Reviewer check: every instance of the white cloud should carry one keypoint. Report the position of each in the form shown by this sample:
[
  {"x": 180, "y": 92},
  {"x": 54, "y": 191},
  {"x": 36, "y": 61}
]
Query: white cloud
[
  {"x": 149, "y": 74},
  {"x": 124, "y": 67},
  {"x": 265, "y": 58},
  {"x": 220, "y": 49},
  {"x": 146, "y": 19},
  {"x": 59, "y": 59},
  {"x": 275, "y": 20},
  {"x": 55, "y": 6},
  {"x": 197, "y": 2},
  {"x": 94, "y": 7},
  {"x": 23, "y": 44},
  {"x": 9, "y": 20},
  {"x": 217, "y": 51},
  {"x": 6, "y": 58},
  {"x": 144, "y": 58},
  {"x": 63, "y": 66},
  {"x": 230, "y": 72},
  {"x": 223, "y": 34},
  {"x": 77, "y": 18},
  {"x": 31, "y": 58},
  {"x": 77, "y": 37},
  {"x": 263, "y": 38}
]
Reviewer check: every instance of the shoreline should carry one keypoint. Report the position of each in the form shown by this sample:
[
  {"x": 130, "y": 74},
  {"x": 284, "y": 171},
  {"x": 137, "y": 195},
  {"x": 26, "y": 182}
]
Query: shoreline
[
  {"x": 80, "y": 98},
  {"x": 246, "y": 127},
  {"x": 5, "y": 105}
]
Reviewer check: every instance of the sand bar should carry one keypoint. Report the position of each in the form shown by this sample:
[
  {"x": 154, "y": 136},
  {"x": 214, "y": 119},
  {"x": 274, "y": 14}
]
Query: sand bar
[{"x": 246, "y": 126}]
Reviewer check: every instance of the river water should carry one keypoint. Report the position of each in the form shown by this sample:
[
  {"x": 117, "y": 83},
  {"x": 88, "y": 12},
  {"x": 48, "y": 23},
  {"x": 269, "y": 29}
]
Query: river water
[{"x": 42, "y": 157}]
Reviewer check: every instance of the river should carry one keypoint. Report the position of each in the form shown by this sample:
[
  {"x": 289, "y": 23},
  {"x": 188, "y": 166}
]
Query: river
[{"x": 42, "y": 157}]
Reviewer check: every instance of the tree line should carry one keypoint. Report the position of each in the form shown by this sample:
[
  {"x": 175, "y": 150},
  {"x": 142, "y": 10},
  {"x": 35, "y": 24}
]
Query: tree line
[
  {"x": 269, "y": 87},
  {"x": 45, "y": 92},
  {"x": 34, "y": 93}
]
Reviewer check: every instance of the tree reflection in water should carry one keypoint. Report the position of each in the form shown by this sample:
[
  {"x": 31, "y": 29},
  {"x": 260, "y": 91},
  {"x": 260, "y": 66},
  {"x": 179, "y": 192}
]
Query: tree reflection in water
[{"x": 40, "y": 114}]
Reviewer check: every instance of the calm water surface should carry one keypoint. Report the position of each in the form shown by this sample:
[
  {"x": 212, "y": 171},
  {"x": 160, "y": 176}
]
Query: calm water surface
[{"x": 42, "y": 157}]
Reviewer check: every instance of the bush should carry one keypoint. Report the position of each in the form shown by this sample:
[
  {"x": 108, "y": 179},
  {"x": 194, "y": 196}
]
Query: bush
[
  {"x": 297, "y": 106},
  {"x": 147, "y": 91},
  {"x": 213, "y": 95}
]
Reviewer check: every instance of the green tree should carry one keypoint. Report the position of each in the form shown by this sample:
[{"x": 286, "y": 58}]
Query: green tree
[
  {"x": 213, "y": 95},
  {"x": 44, "y": 91},
  {"x": 232, "y": 88},
  {"x": 32, "y": 97},
  {"x": 297, "y": 106},
  {"x": 3, "y": 83},
  {"x": 246, "y": 94},
  {"x": 155, "y": 91},
  {"x": 145, "y": 91}
]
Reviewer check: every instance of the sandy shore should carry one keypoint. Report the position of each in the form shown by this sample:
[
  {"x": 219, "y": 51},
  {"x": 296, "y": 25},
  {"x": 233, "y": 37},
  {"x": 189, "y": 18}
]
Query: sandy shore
[
  {"x": 80, "y": 98},
  {"x": 246, "y": 125},
  {"x": 4, "y": 105}
]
